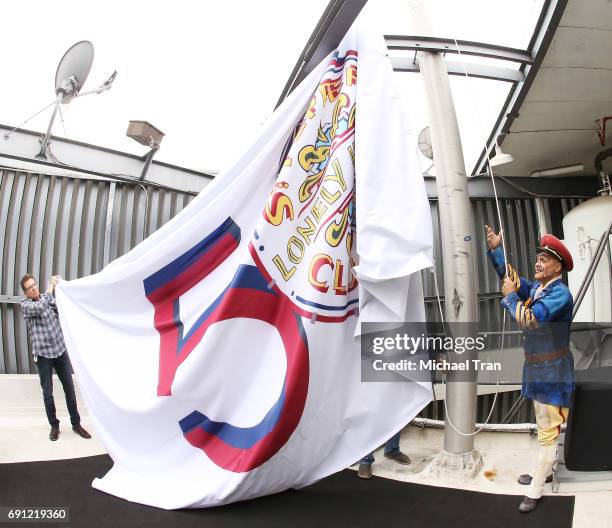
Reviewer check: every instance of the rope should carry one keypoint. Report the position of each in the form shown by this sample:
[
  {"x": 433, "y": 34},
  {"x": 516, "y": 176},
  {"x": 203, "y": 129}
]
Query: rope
[{"x": 8, "y": 135}]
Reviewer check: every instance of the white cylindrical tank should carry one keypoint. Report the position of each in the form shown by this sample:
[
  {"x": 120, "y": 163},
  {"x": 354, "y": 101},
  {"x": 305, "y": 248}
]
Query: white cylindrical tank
[{"x": 582, "y": 228}]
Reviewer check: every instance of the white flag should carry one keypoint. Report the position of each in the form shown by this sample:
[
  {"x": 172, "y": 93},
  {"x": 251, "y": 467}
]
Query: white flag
[{"x": 218, "y": 357}]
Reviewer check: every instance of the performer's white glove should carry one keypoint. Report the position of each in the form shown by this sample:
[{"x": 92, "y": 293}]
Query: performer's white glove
[{"x": 493, "y": 240}]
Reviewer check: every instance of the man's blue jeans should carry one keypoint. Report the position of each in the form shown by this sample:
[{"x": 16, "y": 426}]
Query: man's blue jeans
[
  {"x": 64, "y": 373},
  {"x": 391, "y": 447}
]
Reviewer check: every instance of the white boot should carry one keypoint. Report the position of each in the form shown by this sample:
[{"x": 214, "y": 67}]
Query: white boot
[{"x": 546, "y": 459}]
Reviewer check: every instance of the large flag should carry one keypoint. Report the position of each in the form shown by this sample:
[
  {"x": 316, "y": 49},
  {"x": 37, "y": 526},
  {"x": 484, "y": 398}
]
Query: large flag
[{"x": 218, "y": 358}]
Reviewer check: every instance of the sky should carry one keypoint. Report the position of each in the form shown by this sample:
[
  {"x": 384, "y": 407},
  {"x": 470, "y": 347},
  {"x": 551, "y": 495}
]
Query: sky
[{"x": 208, "y": 74}]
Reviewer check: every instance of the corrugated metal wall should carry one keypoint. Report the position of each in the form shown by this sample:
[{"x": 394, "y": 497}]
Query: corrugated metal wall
[
  {"x": 73, "y": 227},
  {"x": 56, "y": 225}
]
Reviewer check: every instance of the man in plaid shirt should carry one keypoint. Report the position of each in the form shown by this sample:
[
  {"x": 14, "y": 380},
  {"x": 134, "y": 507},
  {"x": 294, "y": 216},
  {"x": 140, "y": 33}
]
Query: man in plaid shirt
[{"x": 49, "y": 351}]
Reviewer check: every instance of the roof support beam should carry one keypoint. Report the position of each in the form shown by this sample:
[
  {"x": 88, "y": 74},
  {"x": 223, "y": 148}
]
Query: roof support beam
[
  {"x": 481, "y": 71},
  {"x": 461, "y": 47},
  {"x": 527, "y": 187}
]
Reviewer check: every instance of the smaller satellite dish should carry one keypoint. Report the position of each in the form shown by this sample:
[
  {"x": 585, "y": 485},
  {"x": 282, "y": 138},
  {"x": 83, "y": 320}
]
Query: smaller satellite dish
[
  {"x": 425, "y": 143},
  {"x": 73, "y": 70}
]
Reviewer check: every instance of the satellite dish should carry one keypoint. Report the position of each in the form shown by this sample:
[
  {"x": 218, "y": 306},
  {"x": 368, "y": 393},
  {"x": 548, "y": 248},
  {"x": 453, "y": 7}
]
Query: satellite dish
[
  {"x": 73, "y": 70},
  {"x": 70, "y": 77},
  {"x": 426, "y": 148},
  {"x": 425, "y": 143}
]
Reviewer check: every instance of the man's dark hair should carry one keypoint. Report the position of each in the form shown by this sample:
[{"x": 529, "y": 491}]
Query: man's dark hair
[{"x": 25, "y": 279}]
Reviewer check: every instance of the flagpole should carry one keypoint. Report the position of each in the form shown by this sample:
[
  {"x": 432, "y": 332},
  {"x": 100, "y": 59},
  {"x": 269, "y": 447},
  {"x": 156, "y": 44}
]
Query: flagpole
[{"x": 458, "y": 246}]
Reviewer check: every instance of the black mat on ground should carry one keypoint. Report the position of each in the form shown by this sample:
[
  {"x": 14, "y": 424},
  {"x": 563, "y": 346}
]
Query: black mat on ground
[{"x": 339, "y": 500}]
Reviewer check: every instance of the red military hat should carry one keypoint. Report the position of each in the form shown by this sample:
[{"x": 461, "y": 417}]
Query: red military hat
[{"x": 553, "y": 246}]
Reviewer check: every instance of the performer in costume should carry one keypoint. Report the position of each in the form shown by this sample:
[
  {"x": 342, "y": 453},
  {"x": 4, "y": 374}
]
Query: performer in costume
[{"x": 543, "y": 310}]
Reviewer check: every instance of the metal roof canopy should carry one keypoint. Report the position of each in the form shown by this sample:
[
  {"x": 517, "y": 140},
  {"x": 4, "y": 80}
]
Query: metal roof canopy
[
  {"x": 340, "y": 15},
  {"x": 550, "y": 120}
]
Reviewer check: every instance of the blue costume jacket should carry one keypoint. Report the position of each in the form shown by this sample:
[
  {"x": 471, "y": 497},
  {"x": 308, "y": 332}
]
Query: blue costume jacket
[{"x": 545, "y": 322}]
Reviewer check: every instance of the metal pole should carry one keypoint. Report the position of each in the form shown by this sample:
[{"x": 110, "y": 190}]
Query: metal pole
[
  {"x": 148, "y": 161},
  {"x": 108, "y": 230},
  {"x": 457, "y": 238},
  {"x": 43, "y": 149},
  {"x": 586, "y": 282},
  {"x": 609, "y": 255}
]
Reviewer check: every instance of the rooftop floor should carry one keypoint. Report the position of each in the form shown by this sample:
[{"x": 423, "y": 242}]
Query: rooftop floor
[{"x": 24, "y": 437}]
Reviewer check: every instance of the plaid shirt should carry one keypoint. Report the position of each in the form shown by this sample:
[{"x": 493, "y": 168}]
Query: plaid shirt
[{"x": 43, "y": 326}]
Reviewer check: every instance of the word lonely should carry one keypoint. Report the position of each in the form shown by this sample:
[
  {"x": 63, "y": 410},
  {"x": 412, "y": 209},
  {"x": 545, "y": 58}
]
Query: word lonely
[{"x": 305, "y": 240}]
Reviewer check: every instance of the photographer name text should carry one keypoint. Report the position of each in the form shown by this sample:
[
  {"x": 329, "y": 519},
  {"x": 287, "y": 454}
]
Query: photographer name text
[{"x": 406, "y": 365}]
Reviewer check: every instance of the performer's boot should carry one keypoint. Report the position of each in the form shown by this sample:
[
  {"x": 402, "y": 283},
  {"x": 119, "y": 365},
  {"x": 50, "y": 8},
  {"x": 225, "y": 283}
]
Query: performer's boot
[{"x": 546, "y": 459}]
